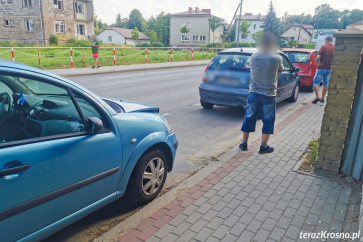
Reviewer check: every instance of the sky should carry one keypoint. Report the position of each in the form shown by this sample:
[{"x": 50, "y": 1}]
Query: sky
[{"x": 108, "y": 9}]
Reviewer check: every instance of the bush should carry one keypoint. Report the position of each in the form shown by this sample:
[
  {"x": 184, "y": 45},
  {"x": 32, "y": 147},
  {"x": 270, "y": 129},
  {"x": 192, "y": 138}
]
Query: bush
[
  {"x": 77, "y": 43},
  {"x": 53, "y": 39},
  {"x": 234, "y": 45},
  {"x": 214, "y": 45},
  {"x": 306, "y": 46},
  {"x": 156, "y": 44},
  {"x": 143, "y": 45}
]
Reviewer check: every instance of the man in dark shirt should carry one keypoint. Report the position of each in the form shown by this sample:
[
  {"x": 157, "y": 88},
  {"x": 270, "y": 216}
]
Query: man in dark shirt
[{"x": 325, "y": 55}]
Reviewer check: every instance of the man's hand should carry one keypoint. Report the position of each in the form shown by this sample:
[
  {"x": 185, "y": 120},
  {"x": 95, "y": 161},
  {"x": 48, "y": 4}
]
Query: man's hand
[{"x": 318, "y": 57}]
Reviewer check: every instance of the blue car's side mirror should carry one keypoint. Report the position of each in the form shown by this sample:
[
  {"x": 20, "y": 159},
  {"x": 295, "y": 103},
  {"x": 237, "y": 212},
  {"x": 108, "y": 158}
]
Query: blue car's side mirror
[
  {"x": 296, "y": 69},
  {"x": 95, "y": 125}
]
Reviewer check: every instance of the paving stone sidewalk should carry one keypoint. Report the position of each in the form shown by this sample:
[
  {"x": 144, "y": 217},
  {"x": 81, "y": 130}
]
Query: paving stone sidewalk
[{"x": 256, "y": 197}]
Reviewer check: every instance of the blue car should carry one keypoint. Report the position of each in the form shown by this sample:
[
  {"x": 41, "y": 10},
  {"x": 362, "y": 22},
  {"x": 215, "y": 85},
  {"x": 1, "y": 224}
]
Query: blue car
[
  {"x": 64, "y": 152},
  {"x": 227, "y": 79}
]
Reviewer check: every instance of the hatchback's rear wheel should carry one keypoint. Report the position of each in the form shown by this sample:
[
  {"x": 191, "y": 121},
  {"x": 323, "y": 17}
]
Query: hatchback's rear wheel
[
  {"x": 148, "y": 177},
  {"x": 206, "y": 105},
  {"x": 295, "y": 94}
]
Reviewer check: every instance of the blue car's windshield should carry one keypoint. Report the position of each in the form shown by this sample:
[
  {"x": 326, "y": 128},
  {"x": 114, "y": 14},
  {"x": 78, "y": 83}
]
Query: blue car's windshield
[{"x": 231, "y": 62}]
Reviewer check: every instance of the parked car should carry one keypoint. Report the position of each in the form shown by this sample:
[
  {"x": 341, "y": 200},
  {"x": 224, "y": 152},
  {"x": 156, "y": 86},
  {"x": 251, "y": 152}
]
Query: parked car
[
  {"x": 64, "y": 152},
  {"x": 305, "y": 60},
  {"x": 227, "y": 79}
]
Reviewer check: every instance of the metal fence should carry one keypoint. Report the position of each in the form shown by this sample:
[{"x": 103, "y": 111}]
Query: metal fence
[{"x": 78, "y": 57}]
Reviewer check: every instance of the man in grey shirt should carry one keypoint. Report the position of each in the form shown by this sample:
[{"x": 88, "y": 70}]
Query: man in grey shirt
[{"x": 266, "y": 65}]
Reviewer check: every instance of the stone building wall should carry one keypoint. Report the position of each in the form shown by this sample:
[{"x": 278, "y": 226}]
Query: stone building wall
[{"x": 343, "y": 82}]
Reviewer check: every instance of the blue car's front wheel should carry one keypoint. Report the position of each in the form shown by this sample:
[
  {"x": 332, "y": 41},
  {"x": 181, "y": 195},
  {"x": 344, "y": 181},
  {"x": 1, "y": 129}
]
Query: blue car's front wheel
[{"x": 148, "y": 177}]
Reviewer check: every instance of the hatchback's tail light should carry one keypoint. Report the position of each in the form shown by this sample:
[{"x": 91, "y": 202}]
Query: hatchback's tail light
[{"x": 204, "y": 79}]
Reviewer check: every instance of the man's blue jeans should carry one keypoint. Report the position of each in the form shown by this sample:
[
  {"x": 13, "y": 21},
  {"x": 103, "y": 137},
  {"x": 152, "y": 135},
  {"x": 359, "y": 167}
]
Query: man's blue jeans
[{"x": 257, "y": 103}]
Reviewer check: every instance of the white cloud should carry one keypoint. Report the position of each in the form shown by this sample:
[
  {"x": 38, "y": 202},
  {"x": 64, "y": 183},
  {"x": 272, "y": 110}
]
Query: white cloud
[{"x": 108, "y": 9}]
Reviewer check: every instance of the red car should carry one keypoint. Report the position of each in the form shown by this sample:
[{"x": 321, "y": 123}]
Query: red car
[{"x": 305, "y": 59}]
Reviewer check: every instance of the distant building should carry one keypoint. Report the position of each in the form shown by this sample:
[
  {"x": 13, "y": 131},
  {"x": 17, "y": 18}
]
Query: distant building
[
  {"x": 121, "y": 36},
  {"x": 197, "y": 21},
  {"x": 256, "y": 21},
  {"x": 358, "y": 25},
  {"x": 34, "y": 21},
  {"x": 300, "y": 32}
]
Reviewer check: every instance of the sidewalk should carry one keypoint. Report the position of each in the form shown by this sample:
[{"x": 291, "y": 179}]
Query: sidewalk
[
  {"x": 123, "y": 68},
  {"x": 256, "y": 197}
]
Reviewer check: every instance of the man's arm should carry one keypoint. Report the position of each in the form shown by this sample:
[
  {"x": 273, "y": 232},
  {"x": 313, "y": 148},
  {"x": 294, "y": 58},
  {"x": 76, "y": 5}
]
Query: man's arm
[{"x": 281, "y": 66}]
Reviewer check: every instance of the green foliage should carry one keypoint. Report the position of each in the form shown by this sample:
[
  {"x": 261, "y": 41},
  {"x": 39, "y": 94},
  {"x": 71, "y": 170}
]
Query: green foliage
[
  {"x": 99, "y": 25},
  {"x": 77, "y": 43},
  {"x": 297, "y": 19},
  {"x": 327, "y": 17},
  {"x": 272, "y": 23},
  {"x": 156, "y": 44},
  {"x": 53, "y": 39},
  {"x": 136, "y": 20},
  {"x": 184, "y": 30},
  {"x": 152, "y": 35},
  {"x": 256, "y": 36},
  {"x": 313, "y": 147},
  {"x": 14, "y": 44},
  {"x": 143, "y": 45},
  {"x": 350, "y": 17},
  {"x": 120, "y": 22},
  {"x": 214, "y": 45},
  {"x": 135, "y": 34},
  {"x": 234, "y": 45},
  {"x": 244, "y": 29},
  {"x": 214, "y": 23},
  {"x": 158, "y": 24}
]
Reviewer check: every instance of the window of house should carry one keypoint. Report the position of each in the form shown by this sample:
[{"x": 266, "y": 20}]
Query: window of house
[
  {"x": 78, "y": 7},
  {"x": 186, "y": 24},
  {"x": 202, "y": 38},
  {"x": 3, "y": 1},
  {"x": 6, "y": 22},
  {"x": 185, "y": 37},
  {"x": 59, "y": 27},
  {"x": 10, "y": 1},
  {"x": 29, "y": 25},
  {"x": 58, "y": 4},
  {"x": 195, "y": 38},
  {"x": 110, "y": 39},
  {"x": 27, "y": 3},
  {"x": 80, "y": 29},
  {"x": 12, "y": 22}
]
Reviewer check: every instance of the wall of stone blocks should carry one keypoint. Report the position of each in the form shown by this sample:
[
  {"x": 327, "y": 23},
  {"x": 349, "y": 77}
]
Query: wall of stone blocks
[{"x": 340, "y": 99}]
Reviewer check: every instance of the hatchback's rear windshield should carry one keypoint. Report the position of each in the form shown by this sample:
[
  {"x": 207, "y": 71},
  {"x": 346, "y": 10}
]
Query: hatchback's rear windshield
[
  {"x": 231, "y": 62},
  {"x": 298, "y": 57}
]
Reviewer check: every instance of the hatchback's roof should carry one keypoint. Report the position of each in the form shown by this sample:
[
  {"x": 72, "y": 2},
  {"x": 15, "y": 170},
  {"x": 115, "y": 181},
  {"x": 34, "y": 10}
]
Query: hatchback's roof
[
  {"x": 298, "y": 50},
  {"x": 240, "y": 50}
]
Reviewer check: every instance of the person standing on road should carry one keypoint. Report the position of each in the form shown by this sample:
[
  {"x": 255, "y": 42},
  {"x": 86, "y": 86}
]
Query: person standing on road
[
  {"x": 325, "y": 55},
  {"x": 95, "y": 47},
  {"x": 266, "y": 65}
]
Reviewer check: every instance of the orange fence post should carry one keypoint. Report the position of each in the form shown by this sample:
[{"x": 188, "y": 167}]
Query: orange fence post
[
  {"x": 114, "y": 56},
  {"x": 171, "y": 55},
  {"x": 209, "y": 52},
  {"x": 192, "y": 54},
  {"x": 12, "y": 54},
  {"x": 145, "y": 55},
  {"x": 40, "y": 66},
  {"x": 71, "y": 52}
]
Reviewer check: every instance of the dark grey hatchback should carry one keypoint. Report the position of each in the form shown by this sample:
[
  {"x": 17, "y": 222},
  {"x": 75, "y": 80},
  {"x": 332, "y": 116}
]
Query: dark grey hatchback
[{"x": 227, "y": 79}]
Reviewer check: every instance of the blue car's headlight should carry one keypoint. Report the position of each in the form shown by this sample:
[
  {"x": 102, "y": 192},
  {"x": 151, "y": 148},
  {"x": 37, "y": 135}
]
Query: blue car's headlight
[{"x": 168, "y": 127}]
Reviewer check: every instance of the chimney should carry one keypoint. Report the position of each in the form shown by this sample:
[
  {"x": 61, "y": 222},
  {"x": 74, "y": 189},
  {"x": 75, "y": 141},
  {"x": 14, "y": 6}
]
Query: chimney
[
  {"x": 207, "y": 11},
  {"x": 248, "y": 14},
  {"x": 190, "y": 10},
  {"x": 196, "y": 9}
]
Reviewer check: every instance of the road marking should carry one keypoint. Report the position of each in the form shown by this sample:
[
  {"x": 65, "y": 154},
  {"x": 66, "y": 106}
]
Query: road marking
[
  {"x": 197, "y": 104},
  {"x": 166, "y": 114}
]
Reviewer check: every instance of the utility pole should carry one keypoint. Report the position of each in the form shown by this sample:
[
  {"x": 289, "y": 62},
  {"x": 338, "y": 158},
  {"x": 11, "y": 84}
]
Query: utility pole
[{"x": 238, "y": 25}]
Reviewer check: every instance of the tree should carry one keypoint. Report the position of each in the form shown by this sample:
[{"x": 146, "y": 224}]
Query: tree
[
  {"x": 120, "y": 22},
  {"x": 184, "y": 30},
  {"x": 297, "y": 19},
  {"x": 214, "y": 23},
  {"x": 272, "y": 23},
  {"x": 256, "y": 36},
  {"x": 350, "y": 17},
  {"x": 327, "y": 18},
  {"x": 99, "y": 25},
  {"x": 136, "y": 20},
  {"x": 152, "y": 35},
  {"x": 135, "y": 34},
  {"x": 159, "y": 25},
  {"x": 244, "y": 29}
]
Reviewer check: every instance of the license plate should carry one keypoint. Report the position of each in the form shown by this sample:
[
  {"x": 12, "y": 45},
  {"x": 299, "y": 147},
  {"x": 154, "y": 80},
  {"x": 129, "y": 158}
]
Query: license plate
[{"x": 228, "y": 81}]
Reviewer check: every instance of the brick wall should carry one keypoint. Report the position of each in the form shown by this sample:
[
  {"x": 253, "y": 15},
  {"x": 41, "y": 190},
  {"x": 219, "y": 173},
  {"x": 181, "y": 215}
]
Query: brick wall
[{"x": 343, "y": 81}]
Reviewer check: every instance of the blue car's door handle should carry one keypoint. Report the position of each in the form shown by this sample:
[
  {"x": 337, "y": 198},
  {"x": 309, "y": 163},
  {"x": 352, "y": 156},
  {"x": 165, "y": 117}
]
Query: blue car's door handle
[{"x": 14, "y": 170}]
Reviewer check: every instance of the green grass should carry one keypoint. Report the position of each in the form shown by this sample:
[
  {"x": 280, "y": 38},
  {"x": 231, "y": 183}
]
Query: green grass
[
  {"x": 59, "y": 58},
  {"x": 313, "y": 147}
]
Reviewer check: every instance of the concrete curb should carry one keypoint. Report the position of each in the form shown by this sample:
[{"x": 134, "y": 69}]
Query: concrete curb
[{"x": 124, "y": 68}]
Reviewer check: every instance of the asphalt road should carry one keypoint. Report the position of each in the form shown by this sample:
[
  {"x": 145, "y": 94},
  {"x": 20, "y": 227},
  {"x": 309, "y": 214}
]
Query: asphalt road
[{"x": 203, "y": 134}]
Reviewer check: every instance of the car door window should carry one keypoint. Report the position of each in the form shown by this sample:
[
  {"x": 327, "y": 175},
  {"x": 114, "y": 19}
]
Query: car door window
[
  {"x": 89, "y": 109},
  {"x": 36, "y": 109},
  {"x": 286, "y": 63}
]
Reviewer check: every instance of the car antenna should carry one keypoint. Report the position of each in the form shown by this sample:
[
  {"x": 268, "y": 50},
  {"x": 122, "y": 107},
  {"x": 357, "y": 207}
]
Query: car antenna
[{"x": 241, "y": 49}]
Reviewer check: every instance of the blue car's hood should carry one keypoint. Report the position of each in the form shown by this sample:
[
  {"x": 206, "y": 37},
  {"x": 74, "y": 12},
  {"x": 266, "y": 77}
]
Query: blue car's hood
[{"x": 131, "y": 107}]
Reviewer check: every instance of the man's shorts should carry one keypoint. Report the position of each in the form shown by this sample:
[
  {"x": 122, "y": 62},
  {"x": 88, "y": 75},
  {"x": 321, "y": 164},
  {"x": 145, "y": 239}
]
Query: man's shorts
[
  {"x": 322, "y": 75},
  {"x": 257, "y": 103},
  {"x": 95, "y": 55}
]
